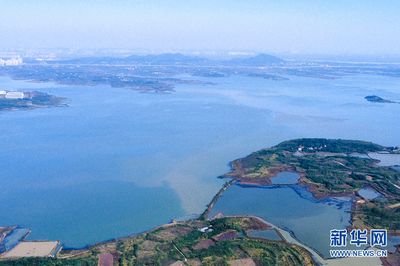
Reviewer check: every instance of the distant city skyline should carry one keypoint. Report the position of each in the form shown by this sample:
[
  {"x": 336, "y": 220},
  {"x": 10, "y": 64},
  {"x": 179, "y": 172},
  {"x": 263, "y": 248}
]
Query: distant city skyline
[{"x": 278, "y": 27}]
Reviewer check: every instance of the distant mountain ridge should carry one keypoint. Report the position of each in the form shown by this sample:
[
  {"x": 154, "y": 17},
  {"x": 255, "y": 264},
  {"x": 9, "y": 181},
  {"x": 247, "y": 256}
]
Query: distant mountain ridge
[
  {"x": 257, "y": 60},
  {"x": 176, "y": 59},
  {"x": 168, "y": 58}
]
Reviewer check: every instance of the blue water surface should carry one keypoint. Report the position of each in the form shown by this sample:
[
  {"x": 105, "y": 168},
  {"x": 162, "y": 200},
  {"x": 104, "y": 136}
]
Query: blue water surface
[
  {"x": 266, "y": 234},
  {"x": 292, "y": 208},
  {"x": 369, "y": 193},
  {"x": 285, "y": 178},
  {"x": 117, "y": 162},
  {"x": 13, "y": 238}
]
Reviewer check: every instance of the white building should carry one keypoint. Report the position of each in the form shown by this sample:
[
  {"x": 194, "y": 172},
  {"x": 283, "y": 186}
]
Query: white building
[
  {"x": 14, "y": 95},
  {"x": 11, "y": 61},
  {"x": 206, "y": 229},
  {"x": 2, "y": 94}
]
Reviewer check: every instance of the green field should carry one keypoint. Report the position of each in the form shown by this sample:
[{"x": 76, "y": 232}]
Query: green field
[{"x": 175, "y": 242}]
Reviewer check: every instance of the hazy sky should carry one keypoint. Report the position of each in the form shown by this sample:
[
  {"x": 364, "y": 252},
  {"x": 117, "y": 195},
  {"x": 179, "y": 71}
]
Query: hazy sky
[{"x": 299, "y": 26}]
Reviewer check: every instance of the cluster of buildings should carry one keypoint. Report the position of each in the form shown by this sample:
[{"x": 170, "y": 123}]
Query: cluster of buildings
[
  {"x": 13, "y": 95},
  {"x": 15, "y": 61}
]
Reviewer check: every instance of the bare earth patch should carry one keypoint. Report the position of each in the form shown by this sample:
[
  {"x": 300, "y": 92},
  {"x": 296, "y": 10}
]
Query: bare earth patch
[
  {"x": 204, "y": 244},
  {"x": 242, "y": 262}
]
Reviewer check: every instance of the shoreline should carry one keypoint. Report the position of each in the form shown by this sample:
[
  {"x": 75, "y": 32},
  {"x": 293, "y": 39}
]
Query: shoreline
[
  {"x": 287, "y": 236},
  {"x": 238, "y": 176},
  {"x": 210, "y": 205},
  {"x": 214, "y": 200}
]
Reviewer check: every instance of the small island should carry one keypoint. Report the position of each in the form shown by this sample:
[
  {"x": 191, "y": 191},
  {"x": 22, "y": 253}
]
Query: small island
[
  {"x": 21, "y": 100},
  {"x": 377, "y": 99}
]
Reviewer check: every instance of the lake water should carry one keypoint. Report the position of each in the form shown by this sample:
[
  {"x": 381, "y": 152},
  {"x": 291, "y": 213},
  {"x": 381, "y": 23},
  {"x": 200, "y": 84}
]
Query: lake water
[
  {"x": 266, "y": 234},
  {"x": 117, "y": 162},
  {"x": 292, "y": 208},
  {"x": 285, "y": 178},
  {"x": 393, "y": 242},
  {"x": 368, "y": 193},
  {"x": 12, "y": 239},
  {"x": 386, "y": 159}
]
